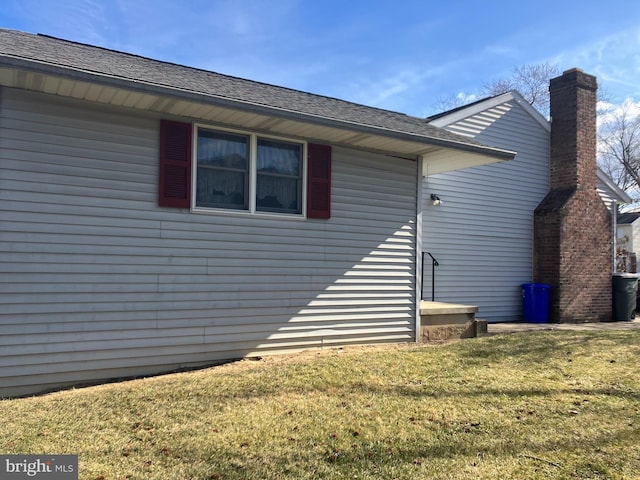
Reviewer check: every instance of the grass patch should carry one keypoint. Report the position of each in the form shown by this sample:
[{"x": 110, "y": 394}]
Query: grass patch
[{"x": 534, "y": 405}]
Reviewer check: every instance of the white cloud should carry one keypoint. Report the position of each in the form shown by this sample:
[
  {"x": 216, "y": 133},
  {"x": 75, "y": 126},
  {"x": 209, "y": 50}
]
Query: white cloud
[
  {"x": 610, "y": 111},
  {"x": 80, "y": 20},
  {"x": 392, "y": 91},
  {"x": 614, "y": 60},
  {"x": 465, "y": 98}
]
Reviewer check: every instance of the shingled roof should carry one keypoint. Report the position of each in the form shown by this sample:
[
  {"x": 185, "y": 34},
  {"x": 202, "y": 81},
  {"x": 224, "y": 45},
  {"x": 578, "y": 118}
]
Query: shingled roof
[
  {"x": 627, "y": 218},
  {"x": 62, "y": 57}
]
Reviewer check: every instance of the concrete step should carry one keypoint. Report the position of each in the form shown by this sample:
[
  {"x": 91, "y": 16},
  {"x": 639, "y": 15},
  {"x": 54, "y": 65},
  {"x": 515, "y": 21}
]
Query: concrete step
[
  {"x": 439, "y": 313},
  {"x": 434, "y": 308},
  {"x": 443, "y": 321}
]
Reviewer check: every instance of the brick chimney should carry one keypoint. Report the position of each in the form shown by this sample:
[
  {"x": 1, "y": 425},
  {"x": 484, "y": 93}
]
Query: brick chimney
[{"x": 572, "y": 226}]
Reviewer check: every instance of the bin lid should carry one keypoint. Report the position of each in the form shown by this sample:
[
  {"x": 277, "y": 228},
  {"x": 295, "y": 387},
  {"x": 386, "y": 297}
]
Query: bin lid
[{"x": 626, "y": 275}]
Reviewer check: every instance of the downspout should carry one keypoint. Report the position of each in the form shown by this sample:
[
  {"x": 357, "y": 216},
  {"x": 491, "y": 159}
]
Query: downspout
[
  {"x": 614, "y": 227},
  {"x": 418, "y": 248}
]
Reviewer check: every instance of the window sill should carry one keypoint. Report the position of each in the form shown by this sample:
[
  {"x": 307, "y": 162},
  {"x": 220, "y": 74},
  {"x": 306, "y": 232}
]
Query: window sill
[{"x": 246, "y": 213}]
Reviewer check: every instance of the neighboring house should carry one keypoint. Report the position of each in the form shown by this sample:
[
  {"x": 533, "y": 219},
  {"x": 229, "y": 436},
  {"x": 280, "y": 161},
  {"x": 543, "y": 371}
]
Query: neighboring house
[
  {"x": 627, "y": 241},
  {"x": 482, "y": 232},
  {"x": 155, "y": 216}
]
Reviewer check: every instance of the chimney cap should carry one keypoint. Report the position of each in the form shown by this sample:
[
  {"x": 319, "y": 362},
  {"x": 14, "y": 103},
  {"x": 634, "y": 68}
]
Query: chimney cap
[
  {"x": 571, "y": 70},
  {"x": 573, "y": 77}
]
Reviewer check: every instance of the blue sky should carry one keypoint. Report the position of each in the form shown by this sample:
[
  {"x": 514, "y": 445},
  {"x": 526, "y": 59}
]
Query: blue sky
[{"x": 399, "y": 55}]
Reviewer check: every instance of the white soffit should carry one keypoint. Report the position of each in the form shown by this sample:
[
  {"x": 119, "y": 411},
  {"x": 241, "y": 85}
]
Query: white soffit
[
  {"x": 437, "y": 158},
  {"x": 446, "y": 160}
]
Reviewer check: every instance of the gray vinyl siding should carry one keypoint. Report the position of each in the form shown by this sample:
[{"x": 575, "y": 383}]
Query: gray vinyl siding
[
  {"x": 97, "y": 281},
  {"x": 482, "y": 234}
]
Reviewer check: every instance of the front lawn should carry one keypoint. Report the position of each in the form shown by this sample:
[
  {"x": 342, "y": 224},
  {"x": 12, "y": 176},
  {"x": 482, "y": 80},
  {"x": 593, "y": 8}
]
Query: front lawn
[{"x": 535, "y": 405}]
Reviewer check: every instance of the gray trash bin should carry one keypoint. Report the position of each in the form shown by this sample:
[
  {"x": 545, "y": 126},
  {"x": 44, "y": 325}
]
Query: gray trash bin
[{"x": 625, "y": 289}]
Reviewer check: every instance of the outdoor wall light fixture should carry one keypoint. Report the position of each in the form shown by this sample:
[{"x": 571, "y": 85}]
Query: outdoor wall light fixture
[{"x": 435, "y": 199}]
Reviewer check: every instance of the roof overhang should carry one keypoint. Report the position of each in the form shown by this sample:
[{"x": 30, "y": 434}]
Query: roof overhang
[
  {"x": 447, "y": 160},
  {"x": 439, "y": 155},
  {"x": 615, "y": 192}
]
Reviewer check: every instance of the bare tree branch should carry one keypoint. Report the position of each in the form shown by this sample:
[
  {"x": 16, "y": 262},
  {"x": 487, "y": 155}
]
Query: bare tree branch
[
  {"x": 532, "y": 81},
  {"x": 619, "y": 145}
]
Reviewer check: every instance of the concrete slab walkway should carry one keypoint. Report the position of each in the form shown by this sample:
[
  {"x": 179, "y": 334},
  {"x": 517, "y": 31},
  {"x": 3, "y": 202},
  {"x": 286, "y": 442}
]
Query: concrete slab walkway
[{"x": 503, "y": 328}]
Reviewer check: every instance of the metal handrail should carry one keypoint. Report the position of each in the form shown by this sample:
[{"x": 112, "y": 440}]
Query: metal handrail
[{"x": 434, "y": 264}]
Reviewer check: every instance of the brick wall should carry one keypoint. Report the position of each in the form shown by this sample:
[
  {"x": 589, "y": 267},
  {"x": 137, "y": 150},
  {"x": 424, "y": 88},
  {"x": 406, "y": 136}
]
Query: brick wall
[{"x": 572, "y": 226}]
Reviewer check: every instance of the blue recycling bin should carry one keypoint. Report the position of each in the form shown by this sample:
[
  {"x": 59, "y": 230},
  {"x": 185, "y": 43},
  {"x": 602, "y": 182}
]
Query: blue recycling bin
[{"x": 535, "y": 302}]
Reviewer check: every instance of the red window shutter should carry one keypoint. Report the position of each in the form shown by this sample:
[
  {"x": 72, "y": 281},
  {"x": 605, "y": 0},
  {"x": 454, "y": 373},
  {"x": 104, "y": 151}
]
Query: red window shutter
[
  {"x": 319, "y": 181},
  {"x": 175, "y": 164}
]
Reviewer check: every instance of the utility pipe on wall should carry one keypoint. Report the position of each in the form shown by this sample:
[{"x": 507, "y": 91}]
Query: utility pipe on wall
[{"x": 614, "y": 226}]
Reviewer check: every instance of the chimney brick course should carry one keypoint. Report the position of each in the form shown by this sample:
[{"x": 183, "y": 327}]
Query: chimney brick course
[{"x": 572, "y": 225}]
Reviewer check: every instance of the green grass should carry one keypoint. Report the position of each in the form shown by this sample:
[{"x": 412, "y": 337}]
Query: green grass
[{"x": 541, "y": 405}]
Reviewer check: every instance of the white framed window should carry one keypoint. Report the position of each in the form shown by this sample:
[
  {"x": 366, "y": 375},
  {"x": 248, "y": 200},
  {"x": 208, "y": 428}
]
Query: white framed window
[
  {"x": 279, "y": 167},
  {"x": 241, "y": 171},
  {"x": 203, "y": 168}
]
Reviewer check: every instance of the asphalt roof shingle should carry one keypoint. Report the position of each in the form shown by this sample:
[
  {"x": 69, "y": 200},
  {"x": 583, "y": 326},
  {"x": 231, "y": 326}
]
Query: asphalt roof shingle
[
  {"x": 137, "y": 69},
  {"x": 627, "y": 218}
]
